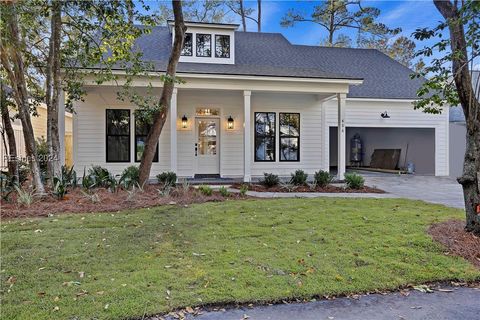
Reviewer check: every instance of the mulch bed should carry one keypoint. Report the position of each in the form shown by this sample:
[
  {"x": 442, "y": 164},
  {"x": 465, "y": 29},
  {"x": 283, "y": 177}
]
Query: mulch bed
[
  {"x": 452, "y": 235},
  {"x": 327, "y": 189},
  {"x": 76, "y": 202}
]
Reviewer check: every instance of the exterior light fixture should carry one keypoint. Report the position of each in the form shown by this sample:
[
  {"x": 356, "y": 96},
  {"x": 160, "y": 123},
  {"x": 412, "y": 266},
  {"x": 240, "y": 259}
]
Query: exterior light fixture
[
  {"x": 385, "y": 115},
  {"x": 230, "y": 123},
  {"x": 184, "y": 121}
]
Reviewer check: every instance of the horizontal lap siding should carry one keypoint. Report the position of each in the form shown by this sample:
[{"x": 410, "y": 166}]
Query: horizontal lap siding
[
  {"x": 402, "y": 115},
  {"x": 310, "y": 132},
  {"x": 89, "y": 136}
]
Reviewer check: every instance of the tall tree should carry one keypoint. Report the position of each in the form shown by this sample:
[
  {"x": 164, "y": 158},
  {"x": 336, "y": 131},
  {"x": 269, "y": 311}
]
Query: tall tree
[
  {"x": 212, "y": 11},
  {"x": 335, "y": 15},
  {"x": 239, "y": 8},
  {"x": 451, "y": 83},
  {"x": 14, "y": 66},
  {"x": 53, "y": 90},
  {"x": 401, "y": 49},
  {"x": 160, "y": 113},
  {"x": 8, "y": 134}
]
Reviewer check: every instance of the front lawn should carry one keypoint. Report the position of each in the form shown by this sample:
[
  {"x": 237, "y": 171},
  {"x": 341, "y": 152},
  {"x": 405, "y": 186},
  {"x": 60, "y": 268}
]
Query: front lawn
[{"x": 128, "y": 264}]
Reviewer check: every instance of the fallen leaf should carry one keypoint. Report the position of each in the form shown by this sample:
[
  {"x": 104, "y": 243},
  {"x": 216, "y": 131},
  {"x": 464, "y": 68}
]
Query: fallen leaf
[
  {"x": 12, "y": 280},
  {"x": 106, "y": 306},
  {"x": 81, "y": 274},
  {"x": 189, "y": 309},
  {"x": 56, "y": 308},
  {"x": 423, "y": 288}
]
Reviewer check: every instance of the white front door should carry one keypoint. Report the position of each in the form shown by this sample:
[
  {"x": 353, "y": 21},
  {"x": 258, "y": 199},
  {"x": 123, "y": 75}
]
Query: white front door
[{"x": 207, "y": 145}]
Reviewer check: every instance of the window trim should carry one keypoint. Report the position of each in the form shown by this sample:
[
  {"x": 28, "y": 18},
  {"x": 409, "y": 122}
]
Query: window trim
[
  {"x": 288, "y": 137},
  {"x": 196, "y": 44},
  {"x": 263, "y": 136},
  {"x": 119, "y": 135},
  {"x": 229, "y": 46},
  {"x": 191, "y": 54},
  {"x": 135, "y": 135}
]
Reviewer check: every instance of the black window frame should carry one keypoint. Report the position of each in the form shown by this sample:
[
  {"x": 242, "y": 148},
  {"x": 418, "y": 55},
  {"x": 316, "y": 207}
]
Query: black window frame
[
  {"x": 191, "y": 44},
  {"x": 196, "y": 44},
  {"x": 118, "y": 135},
  {"x": 264, "y": 136},
  {"x": 280, "y": 137},
  {"x": 155, "y": 157},
  {"x": 229, "y": 46}
]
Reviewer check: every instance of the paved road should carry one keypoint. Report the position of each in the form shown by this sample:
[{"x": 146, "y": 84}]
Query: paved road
[{"x": 462, "y": 303}]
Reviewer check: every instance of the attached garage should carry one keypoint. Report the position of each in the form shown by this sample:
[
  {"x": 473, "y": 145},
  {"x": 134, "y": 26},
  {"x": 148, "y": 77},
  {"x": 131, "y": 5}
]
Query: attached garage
[
  {"x": 416, "y": 145},
  {"x": 416, "y": 137}
]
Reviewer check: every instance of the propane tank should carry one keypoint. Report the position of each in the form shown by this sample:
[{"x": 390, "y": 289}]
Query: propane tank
[{"x": 356, "y": 149}]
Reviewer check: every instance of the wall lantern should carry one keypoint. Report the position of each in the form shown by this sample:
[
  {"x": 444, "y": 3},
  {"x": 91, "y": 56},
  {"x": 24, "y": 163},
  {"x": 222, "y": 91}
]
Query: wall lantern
[
  {"x": 184, "y": 121},
  {"x": 230, "y": 123},
  {"x": 385, "y": 115}
]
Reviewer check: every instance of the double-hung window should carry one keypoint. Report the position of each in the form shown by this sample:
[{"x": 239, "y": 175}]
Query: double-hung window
[
  {"x": 264, "y": 136},
  {"x": 118, "y": 135},
  {"x": 222, "y": 46},
  {"x": 289, "y": 136},
  {"x": 187, "y": 49},
  {"x": 141, "y": 132},
  {"x": 204, "y": 45}
]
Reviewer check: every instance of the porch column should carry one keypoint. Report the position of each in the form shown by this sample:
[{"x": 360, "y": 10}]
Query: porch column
[
  {"x": 341, "y": 98},
  {"x": 61, "y": 126},
  {"x": 247, "y": 152},
  {"x": 173, "y": 131}
]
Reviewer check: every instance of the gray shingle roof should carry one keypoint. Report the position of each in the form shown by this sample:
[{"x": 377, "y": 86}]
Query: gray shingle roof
[{"x": 271, "y": 54}]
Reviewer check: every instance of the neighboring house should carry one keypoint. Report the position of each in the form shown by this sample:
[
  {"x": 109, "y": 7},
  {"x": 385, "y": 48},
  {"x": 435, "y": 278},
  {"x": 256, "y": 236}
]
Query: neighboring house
[
  {"x": 458, "y": 132},
  {"x": 39, "y": 124},
  {"x": 254, "y": 103}
]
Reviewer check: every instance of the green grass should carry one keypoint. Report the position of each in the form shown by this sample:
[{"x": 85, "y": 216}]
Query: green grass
[{"x": 154, "y": 260}]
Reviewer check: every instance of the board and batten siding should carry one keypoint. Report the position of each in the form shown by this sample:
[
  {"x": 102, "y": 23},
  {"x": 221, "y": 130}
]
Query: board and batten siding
[
  {"x": 366, "y": 113},
  {"x": 310, "y": 110},
  {"x": 90, "y": 134}
]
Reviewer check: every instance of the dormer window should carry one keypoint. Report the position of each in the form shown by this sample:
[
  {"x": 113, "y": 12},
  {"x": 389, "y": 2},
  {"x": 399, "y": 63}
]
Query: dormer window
[
  {"x": 222, "y": 46},
  {"x": 204, "y": 45},
  {"x": 187, "y": 45}
]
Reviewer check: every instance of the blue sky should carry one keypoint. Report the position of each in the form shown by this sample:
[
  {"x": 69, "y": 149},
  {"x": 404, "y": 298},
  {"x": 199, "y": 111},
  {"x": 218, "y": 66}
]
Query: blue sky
[{"x": 408, "y": 15}]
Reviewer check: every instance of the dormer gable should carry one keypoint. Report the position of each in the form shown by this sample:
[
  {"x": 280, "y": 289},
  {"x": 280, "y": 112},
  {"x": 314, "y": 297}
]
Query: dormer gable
[{"x": 207, "y": 42}]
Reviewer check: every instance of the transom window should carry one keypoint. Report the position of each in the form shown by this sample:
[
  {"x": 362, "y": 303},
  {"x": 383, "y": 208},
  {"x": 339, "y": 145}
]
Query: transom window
[
  {"x": 118, "y": 135},
  {"x": 187, "y": 45},
  {"x": 222, "y": 46},
  {"x": 141, "y": 132},
  {"x": 207, "y": 112},
  {"x": 264, "y": 136},
  {"x": 204, "y": 45},
  {"x": 289, "y": 136}
]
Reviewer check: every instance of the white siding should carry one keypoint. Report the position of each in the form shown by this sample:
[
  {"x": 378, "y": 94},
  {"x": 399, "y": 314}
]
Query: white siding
[
  {"x": 89, "y": 134},
  {"x": 310, "y": 131},
  {"x": 402, "y": 115}
]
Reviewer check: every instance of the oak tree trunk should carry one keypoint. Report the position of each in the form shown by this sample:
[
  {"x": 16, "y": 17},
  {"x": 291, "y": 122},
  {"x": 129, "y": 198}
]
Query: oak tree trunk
[
  {"x": 160, "y": 116},
  {"x": 12, "y": 62},
  {"x": 471, "y": 108},
  {"x": 53, "y": 89},
  {"x": 12, "y": 159}
]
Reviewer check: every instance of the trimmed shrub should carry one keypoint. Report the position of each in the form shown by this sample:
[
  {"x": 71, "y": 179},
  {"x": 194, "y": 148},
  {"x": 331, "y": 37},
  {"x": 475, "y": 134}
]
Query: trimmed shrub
[
  {"x": 299, "y": 178},
  {"x": 167, "y": 178},
  {"x": 224, "y": 192},
  {"x": 322, "y": 178},
  {"x": 354, "y": 181},
  {"x": 130, "y": 177},
  {"x": 205, "y": 190},
  {"x": 243, "y": 189},
  {"x": 270, "y": 180}
]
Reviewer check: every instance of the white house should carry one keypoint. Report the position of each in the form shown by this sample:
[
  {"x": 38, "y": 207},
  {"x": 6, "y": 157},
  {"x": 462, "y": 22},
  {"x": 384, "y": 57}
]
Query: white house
[{"x": 254, "y": 103}]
